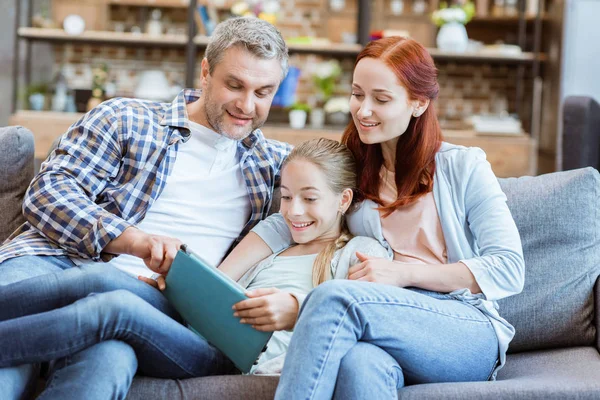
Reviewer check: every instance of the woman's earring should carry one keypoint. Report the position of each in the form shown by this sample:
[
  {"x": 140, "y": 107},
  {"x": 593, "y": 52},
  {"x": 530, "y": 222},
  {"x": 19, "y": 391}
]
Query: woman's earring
[{"x": 417, "y": 114}]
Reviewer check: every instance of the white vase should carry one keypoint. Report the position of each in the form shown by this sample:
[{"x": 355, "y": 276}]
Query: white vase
[
  {"x": 297, "y": 119},
  {"x": 452, "y": 37}
]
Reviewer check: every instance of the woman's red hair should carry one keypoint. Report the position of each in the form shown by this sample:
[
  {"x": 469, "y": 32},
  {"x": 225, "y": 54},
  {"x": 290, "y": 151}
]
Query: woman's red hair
[{"x": 416, "y": 148}]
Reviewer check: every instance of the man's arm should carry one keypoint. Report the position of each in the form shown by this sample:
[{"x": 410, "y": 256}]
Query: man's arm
[
  {"x": 60, "y": 202},
  {"x": 158, "y": 252}
]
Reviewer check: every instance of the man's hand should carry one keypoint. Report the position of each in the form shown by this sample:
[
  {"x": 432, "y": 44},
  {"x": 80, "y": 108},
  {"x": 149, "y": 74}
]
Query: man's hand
[
  {"x": 159, "y": 283},
  {"x": 268, "y": 310},
  {"x": 379, "y": 270},
  {"x": 158, "y": 252}
]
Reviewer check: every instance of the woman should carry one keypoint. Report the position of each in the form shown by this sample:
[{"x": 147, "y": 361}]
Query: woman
[
  {"x": 69, "y": 311},
  {"x": 430, "y": 314}
]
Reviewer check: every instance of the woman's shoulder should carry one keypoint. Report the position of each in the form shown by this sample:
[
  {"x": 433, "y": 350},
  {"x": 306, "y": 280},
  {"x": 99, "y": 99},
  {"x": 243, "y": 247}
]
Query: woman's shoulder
[
  {"x": 458, "y": 160},
  {"x": 458, "y": 153}
]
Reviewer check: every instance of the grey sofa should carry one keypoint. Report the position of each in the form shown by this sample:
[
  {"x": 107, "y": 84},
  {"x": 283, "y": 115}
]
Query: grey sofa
[{"x": 555, "y": 354}]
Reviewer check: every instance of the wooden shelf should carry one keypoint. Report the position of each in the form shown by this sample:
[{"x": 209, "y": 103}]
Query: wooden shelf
[
  {"x": 509, "y": 155},
  {"x": 170, "y": 40},
  {"x": 331, "y": 49},
  {"x": 102, "y": 38},
  {"x": 513, "y": 155},
  {"x": 152, "y": 3},
  {"x": 523, "y": 58},
  {"x": 507, "y": 18}
]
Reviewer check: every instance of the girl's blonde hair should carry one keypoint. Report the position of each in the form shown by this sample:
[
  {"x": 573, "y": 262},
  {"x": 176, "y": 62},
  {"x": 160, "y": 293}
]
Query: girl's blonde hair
[{"x": 339, "y": 167}]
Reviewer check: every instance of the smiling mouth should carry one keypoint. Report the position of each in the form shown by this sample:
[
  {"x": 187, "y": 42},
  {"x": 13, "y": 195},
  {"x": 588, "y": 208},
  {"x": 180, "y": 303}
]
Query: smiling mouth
[
  {"x": 237, "y": 117},
  {"x": 303, "y": 225},
  {"x": 369, "y": 125}
]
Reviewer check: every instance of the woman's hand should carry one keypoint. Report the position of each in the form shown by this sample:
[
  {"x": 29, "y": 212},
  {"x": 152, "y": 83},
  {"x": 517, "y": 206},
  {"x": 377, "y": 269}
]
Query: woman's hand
[
  {"x": 268, "y": 310},
  {"x": 380, "y": 270}
]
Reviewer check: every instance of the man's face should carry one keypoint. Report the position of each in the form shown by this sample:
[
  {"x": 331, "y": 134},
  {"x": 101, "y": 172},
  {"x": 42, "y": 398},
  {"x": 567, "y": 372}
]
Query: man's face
[{"x": 238, "y": 95}]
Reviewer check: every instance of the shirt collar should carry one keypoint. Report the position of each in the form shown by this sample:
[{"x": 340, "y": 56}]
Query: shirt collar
[{"x": 176, "y": 116}]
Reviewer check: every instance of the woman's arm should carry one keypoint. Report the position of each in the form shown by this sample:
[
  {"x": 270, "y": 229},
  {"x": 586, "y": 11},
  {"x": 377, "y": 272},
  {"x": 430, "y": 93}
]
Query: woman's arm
[
  {"x": 499, "y": 268},
  {"x": 443, "y": 278},
  {"x": 268, "y": 236},
  {"x": 251, "y": 250}
]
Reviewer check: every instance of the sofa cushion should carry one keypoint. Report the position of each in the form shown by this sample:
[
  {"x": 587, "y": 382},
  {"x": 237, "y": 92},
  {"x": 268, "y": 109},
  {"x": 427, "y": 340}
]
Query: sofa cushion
[
  {"x": 230, "y": 387},
  {"x": 549, "y": 375},
  {"x": 558, "y": 217},
  {"x": 16, "y": 172}
]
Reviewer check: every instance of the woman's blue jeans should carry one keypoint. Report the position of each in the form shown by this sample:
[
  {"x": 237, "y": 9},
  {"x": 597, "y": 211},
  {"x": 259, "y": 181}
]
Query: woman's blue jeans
[
  {"x": 59, "y": 314},
  {"x": 363, "y": 340}
]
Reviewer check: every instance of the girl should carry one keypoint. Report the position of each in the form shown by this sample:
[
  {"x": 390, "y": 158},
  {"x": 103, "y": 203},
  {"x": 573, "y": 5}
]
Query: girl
[
  {"x": 429, "y": 313},
  {"x": 71, "y": 311}
]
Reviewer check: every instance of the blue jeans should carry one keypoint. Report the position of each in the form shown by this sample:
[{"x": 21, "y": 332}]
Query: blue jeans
[
  {"x": 363, "y": 340},
  {"x": 75, "y": 310}
]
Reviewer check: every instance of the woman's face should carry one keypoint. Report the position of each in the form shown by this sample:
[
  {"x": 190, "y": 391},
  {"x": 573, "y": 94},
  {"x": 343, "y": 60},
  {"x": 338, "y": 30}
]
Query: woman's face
[
  {"x": 309, "y": 206},
  {"x": 380, "y": 106}
]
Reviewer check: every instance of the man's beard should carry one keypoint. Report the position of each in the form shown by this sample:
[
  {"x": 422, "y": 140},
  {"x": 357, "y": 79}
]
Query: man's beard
[{"x": 216, "y": 119}]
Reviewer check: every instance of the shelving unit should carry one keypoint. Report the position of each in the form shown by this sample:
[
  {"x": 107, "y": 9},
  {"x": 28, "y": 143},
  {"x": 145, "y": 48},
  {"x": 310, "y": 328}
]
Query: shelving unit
[
  {"x": 193, "y": 42},
  {"x": 363, "y": 15}
]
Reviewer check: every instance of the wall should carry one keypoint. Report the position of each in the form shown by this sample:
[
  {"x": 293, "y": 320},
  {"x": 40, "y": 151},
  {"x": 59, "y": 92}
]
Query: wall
[{"x": 581, "y": 56}]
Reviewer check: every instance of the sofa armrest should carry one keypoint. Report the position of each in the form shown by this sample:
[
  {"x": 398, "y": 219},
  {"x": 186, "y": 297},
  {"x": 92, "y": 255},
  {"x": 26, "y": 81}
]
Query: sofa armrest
[
  {"x": 16, "y": 172},
  {"x": 581, "y": 133}
]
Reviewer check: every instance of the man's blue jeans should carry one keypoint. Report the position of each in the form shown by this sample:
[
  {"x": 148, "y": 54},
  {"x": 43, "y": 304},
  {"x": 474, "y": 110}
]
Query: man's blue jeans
[
  {"x": 76, "y": 310},
  {"x": 363, "y": 340}
]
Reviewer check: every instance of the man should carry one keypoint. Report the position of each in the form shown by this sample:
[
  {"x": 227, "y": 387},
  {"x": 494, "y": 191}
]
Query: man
[{"x": 136, "y": 179}]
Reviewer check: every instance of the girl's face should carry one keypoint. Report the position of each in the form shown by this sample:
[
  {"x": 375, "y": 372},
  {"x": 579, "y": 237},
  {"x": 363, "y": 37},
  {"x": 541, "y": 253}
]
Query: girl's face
[
  {"x": 380, "y": 106},
  {"x": 310, "y": 208}
]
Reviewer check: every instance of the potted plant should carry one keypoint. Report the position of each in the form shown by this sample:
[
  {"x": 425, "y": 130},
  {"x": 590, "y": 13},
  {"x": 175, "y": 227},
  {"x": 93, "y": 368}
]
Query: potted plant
[
  {"x": 35, "y": 95},
  {"x": 451, "y": 20},
  {"x": 297, "y": 115}
]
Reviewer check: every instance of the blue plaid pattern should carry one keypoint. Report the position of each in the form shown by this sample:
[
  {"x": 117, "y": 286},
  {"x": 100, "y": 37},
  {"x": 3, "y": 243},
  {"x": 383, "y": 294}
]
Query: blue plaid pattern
[{"x": 109, "y": 168}]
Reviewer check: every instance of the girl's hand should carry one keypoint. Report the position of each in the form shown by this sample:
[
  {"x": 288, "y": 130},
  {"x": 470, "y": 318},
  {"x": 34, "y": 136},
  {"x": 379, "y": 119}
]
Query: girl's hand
[
  {"x": 268, "y": 310},
  {"x": 379, "y": 270}
]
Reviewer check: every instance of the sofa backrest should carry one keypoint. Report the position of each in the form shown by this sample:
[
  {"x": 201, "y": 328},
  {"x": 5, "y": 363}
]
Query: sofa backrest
[
  {"x": 16, "y": 172},
  {"x": 558, "y": 217}
]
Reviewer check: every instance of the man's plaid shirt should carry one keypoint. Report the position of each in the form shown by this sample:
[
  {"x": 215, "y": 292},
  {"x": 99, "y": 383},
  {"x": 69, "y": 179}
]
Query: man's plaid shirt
[{"x": 110, "y": 167}]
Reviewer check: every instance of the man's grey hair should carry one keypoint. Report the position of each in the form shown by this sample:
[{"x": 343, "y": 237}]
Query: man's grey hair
[{"x": 259, "y": 37}]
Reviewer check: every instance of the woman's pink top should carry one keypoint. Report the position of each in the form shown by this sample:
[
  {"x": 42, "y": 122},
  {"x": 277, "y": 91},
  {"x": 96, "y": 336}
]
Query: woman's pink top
[{"x": 413, "y": 231}]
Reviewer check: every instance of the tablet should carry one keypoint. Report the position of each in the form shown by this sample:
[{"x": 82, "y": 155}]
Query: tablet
[{"x": 203, "y": 296}]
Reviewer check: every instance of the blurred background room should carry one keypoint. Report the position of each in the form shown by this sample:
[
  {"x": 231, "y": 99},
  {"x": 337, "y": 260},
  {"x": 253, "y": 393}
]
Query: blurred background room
[{"x": 505, "y": 66}]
